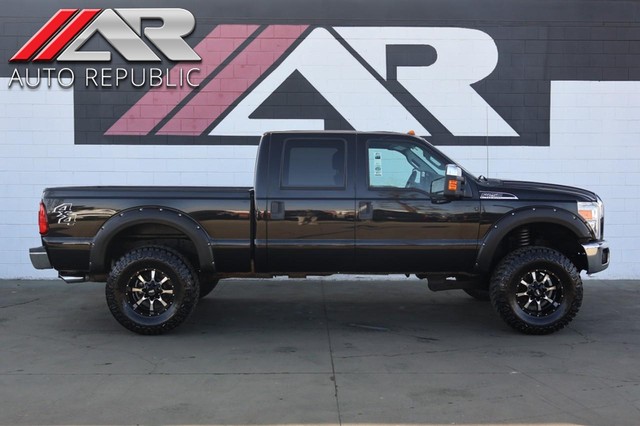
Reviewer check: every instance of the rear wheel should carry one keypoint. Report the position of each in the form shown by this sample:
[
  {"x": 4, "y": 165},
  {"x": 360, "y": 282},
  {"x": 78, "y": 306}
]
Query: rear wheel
[
  {"x": 151, "y": 290},
  {"x": 536, "y": 290}
]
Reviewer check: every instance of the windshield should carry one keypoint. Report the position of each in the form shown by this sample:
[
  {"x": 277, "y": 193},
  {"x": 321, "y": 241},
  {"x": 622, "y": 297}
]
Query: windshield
[
  {"x": 426, "y": 161},
  {"x": 447, "y": 160}
]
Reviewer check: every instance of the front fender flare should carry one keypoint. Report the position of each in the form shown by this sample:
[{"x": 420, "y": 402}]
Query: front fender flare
[
  {"x": 524, "y": 216},
  {"x": 146, "y": 215}
]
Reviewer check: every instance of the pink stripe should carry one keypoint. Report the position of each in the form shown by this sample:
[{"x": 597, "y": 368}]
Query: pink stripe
[
  {"x": 233, "y": 81},
  {"x": 158, "y": 102}
]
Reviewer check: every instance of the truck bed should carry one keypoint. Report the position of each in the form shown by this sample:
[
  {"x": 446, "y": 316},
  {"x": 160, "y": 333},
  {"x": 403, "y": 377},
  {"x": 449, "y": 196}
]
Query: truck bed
[{"x": 76, "y": 214}]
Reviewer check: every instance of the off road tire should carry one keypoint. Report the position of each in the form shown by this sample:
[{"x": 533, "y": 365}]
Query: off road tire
[
  {"x": 152, "y": 290},
  {"x": 536, "y": 290}
]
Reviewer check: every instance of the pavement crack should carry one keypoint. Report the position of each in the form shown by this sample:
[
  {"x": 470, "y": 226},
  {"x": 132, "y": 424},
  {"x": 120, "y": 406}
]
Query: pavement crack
[
  {"x": 20, "y": 303},
  {"x": 552, "y": 401},
  {"x": 397, "y": 354},
  {"x": 586, "y": 338},
  {"x": 333, "y": 368},
  {"x": 153, "y": 364},
  {"x": 369, "y": 327},
  {"x": 240, "y": 373}
]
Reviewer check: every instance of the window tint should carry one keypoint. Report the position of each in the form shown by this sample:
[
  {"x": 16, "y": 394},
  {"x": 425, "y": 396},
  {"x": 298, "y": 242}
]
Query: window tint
[
  {"x": 314, "y": 163},
  {"x": 402, "y": 164},
  {"x": 388, "y": 168}
]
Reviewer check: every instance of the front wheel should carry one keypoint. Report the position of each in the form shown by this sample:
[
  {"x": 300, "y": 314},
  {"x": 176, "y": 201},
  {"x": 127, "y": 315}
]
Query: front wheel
[
  {"x": 536, "y": 290},
  {"x": 151, "y": 290}
]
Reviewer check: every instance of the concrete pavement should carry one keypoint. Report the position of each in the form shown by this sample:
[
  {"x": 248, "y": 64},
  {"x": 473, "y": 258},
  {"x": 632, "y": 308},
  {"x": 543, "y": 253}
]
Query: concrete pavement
[{"x": 316, "y": 352}]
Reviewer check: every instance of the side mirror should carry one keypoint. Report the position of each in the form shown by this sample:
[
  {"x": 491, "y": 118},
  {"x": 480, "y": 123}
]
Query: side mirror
[{"x": 451, "y": 186}]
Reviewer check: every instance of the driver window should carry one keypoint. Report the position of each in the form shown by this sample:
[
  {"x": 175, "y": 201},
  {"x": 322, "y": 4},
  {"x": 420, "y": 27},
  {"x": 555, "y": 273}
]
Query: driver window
[
  {"x": 402, "y": 164},
  {"x": 388, "y": 168}
]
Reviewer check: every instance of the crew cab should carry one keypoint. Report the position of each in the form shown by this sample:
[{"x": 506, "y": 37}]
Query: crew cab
[{"x": 325, "y": 203}]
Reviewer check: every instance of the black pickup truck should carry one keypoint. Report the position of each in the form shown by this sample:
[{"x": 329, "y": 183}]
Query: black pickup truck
[{"x": 326, "y": 203}]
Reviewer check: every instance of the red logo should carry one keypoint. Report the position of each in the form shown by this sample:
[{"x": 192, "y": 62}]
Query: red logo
[{"x": 69, "y": 29}]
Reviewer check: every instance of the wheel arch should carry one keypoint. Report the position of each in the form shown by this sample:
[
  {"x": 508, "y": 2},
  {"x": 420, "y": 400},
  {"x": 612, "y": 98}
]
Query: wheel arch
[
  {"x": 148, "y": 215},
  {"x": 500, "y": 231}
]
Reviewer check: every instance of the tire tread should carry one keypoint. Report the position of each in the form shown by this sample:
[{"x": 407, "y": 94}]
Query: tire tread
[
  {"x": 180, "y": 266},
  {"x": 506, "y": 269}
]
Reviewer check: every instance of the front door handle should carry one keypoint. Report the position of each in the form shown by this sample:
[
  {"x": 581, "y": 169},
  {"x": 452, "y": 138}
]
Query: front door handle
[
  {"x": 277, "y": 210},
  {"x": 365, "y": 210}
]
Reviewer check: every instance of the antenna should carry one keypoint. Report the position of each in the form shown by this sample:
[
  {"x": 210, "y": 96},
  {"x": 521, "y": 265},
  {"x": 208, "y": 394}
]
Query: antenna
[{"x": 486, "y": 109}]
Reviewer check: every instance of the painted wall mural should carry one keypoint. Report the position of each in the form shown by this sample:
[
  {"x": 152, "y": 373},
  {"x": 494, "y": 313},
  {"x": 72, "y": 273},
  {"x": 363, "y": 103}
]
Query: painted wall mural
[
  {"x": 459, "y": 73},
  {"x": 121, "y": 92}
]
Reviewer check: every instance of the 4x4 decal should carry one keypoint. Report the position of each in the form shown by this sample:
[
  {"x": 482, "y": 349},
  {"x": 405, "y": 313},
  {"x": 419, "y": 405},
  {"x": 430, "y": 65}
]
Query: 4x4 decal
[{"x": 64, "y": 214}]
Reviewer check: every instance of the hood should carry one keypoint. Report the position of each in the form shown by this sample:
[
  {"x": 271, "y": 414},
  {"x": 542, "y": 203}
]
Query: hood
[{"x": 536, "y": 190}]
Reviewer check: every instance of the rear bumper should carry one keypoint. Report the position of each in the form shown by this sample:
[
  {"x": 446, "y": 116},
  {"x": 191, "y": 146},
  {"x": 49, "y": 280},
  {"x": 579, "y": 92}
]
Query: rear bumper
[
  {"x": 39, "y": 258},
  {"x": 597, "y": 256}
]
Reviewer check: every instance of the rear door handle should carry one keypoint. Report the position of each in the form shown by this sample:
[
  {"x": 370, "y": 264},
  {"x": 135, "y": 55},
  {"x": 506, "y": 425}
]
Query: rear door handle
[
  {"x": 365, "y": 210},
  {"x": 277, "y": 210}
]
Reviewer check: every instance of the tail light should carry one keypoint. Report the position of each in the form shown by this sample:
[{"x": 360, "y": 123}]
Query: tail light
[{"x": 43, "y": 222}]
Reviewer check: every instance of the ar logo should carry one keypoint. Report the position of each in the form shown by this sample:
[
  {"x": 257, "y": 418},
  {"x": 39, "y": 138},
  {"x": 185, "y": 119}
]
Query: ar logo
[
  {"x": 354, "y": 69},
  {"x": 463, "y": 57},
  {"x": 64, "y": 214},
  {"x": 69, "y": 29}
]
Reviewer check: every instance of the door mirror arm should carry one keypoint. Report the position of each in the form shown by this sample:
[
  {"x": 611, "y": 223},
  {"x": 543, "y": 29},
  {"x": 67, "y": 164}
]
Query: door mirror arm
[{"x": 450, "y": 187}]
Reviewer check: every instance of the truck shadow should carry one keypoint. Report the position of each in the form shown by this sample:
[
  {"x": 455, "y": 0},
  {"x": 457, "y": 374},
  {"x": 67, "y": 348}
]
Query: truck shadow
[
  {"x": 378, "y": 307},
  {"x": 352, "y": 306}
]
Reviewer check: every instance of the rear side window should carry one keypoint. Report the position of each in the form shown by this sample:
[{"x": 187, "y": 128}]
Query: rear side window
[{"x": 314, "y": 163}]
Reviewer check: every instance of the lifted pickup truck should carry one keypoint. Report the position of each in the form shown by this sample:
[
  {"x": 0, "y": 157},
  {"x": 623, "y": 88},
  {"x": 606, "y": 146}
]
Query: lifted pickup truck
[{"x": 326, "y": 203}]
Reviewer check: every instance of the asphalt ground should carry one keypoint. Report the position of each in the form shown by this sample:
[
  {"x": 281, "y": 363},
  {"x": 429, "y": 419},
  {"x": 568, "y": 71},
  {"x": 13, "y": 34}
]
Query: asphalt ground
[{"x": 316, "y": 352}]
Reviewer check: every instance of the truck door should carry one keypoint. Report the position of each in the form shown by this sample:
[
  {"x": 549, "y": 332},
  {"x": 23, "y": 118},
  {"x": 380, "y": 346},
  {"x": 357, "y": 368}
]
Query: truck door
[
  {"x": 399, "y": 228},
  {"x": 311, "y": 203}
]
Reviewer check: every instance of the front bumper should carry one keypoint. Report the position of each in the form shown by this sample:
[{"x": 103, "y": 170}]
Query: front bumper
[
  {"x": 597, "y": 256},
  {"x": 39, "y": 258}
]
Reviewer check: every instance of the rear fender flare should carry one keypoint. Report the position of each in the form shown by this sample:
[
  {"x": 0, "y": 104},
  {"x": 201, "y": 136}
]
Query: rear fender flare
[
  {"x": 147, "y": 215},
  {"x": 524, "y": 216}
]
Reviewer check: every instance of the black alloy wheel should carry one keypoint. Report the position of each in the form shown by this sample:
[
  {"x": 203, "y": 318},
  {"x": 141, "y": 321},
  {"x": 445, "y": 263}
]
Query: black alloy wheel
[
  {"x": 152, "y": 290},
  {"x": 539, "y": 293},
  {"x": 536, "y": 290}
]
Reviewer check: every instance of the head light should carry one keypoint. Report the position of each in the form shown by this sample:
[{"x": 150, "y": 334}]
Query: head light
[{"x": 592, "y": 212}]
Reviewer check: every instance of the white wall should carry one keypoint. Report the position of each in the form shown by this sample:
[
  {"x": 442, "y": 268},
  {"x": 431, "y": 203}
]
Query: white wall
[{"x": 595, "y": 144}]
